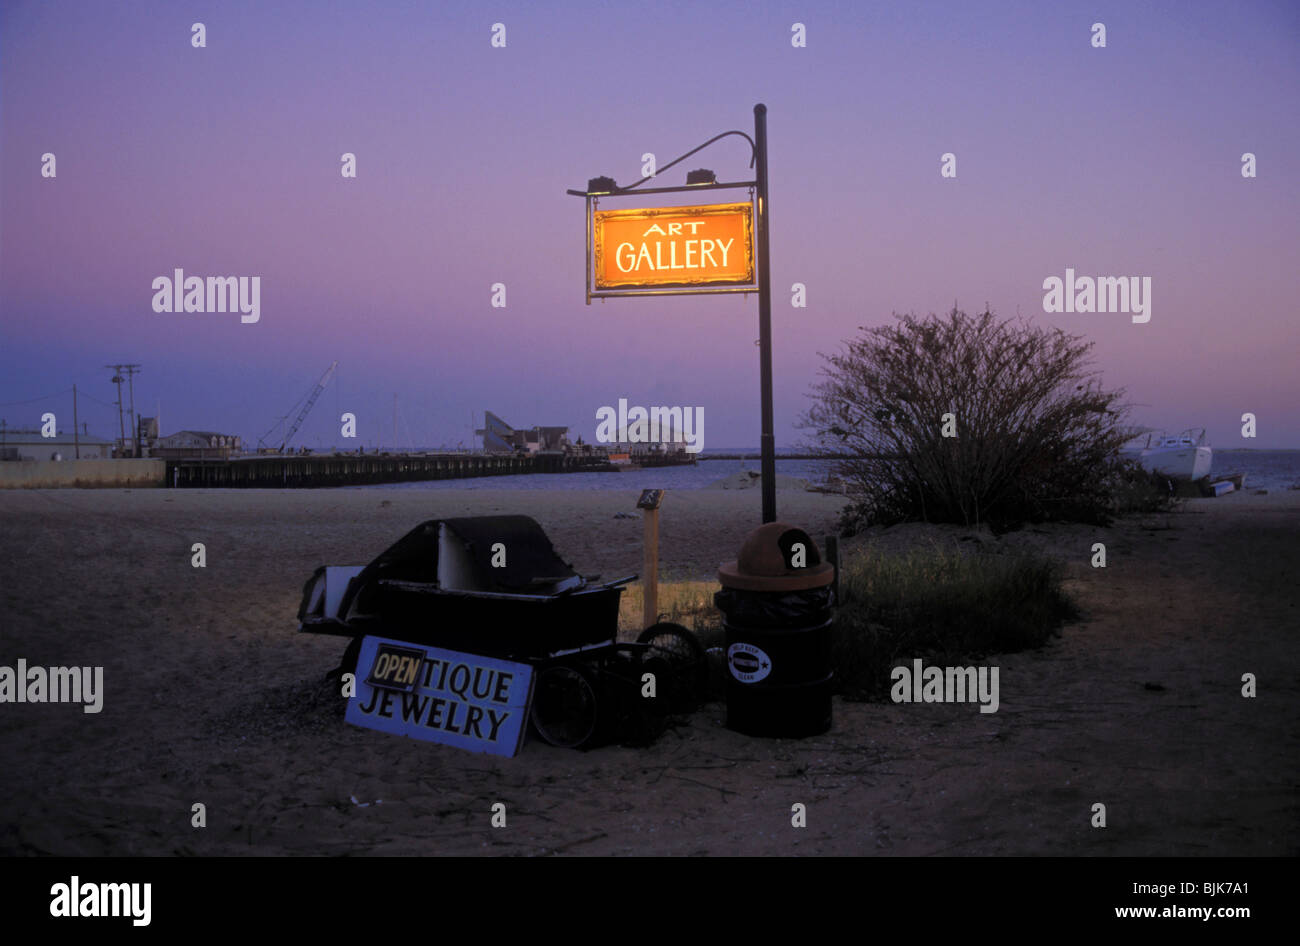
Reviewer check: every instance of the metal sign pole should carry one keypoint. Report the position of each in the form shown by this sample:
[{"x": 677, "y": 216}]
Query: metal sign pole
[
  {"x": 606, "y": 186},
  {"x": 768, "y": 440}
]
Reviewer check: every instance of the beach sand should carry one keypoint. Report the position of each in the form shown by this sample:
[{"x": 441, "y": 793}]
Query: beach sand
[{"x": 212, "y": 697}]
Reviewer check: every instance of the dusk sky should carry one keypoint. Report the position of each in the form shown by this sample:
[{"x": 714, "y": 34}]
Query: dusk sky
[{"x": 225, "y": 160}]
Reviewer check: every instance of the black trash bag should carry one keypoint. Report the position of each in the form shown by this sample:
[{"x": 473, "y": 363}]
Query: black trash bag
[{"x": 775, "y": 608}]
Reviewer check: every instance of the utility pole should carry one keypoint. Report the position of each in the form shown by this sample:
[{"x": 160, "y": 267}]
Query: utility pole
[
  {"x": 76, "y": 434},
  {"x": 131, "y": 371},
  {"x": 117, "y": 379}
]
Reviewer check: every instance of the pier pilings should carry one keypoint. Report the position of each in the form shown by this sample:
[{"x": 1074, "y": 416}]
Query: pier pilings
[{"x": 307, "y": 472}]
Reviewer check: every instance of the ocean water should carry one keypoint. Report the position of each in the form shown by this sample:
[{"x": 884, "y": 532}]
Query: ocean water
[{"x": 1264, "y": 469}]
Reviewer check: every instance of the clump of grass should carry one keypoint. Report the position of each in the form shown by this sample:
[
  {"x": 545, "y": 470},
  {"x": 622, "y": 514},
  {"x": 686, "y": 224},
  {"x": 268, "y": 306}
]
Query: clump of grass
[
  {"x": 1135, "y": 490},
  {"x": 688, "y": 603},
  {"x": 943, "y": 606},
  {"x": 939, "y": 604}
]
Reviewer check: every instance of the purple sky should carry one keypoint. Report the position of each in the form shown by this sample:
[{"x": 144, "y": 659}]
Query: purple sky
[{"x": 225, "y": 161}]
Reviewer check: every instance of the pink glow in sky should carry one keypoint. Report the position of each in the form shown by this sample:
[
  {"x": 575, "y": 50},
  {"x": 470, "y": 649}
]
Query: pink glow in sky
[{"x": 225, "y": 160}]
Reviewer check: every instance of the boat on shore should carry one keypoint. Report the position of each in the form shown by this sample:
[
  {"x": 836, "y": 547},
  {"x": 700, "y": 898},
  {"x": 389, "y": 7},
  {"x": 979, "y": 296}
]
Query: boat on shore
[{"x": 1185, "y": 456}]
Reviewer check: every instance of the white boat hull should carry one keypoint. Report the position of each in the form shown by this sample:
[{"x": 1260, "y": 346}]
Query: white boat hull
[{"x": 1186, "y": 463}]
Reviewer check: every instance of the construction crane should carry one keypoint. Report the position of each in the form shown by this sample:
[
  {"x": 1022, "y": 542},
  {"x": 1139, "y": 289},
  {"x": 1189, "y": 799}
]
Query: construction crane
[{"x": 306, "y": 409}]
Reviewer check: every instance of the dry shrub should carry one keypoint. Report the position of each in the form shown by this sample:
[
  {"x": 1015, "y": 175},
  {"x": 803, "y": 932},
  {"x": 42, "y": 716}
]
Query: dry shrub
[{"x": 1037, "y": 436}]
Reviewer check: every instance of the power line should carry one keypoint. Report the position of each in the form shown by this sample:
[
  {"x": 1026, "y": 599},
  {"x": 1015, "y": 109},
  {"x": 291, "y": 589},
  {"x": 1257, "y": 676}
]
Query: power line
[
  {"x": 95, "y": 399},
  {"x": 35, "y": 399}
]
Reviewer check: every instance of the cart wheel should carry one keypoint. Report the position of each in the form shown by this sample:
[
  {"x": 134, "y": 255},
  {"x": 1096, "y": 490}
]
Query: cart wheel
[
  {"x": 565, "y": 709},
  {"x": 677, "y": 654}
]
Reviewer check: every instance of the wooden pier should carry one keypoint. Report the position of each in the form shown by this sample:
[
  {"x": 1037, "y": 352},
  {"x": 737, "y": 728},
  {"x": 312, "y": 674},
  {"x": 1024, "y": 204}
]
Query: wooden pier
[
  {"x": 307, "y": 472},
  {"x": 755, "y": 455}
]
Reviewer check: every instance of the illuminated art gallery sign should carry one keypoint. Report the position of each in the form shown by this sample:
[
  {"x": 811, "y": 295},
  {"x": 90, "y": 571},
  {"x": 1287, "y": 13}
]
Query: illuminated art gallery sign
[{"x": 663, "y": 247}]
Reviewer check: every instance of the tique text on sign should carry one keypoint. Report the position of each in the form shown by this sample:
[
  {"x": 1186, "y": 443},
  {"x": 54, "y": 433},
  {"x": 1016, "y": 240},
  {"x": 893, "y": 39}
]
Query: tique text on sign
[
  {"x": 662, "y": 247},
  {"x": 465, "y": 700}
]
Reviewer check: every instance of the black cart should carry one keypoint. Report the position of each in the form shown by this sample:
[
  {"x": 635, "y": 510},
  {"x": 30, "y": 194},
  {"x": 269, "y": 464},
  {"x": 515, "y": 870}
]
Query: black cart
[{"x": 495, "y": 586}]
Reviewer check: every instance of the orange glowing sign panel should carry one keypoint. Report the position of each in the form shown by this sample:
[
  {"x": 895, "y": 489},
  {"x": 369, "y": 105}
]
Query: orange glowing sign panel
[{"x": 660, "y": 247}]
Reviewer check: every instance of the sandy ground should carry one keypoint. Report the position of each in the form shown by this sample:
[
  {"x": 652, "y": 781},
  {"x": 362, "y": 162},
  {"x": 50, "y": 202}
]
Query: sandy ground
[{"x": 213, "y": 697}]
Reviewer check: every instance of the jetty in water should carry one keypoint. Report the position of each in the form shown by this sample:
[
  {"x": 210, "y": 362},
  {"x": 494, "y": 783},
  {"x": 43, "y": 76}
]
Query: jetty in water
[{"x": 308, "y": 471}]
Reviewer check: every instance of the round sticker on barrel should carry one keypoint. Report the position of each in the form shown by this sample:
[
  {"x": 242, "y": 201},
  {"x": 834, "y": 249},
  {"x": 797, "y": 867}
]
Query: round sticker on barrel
[{"x": 748, "y": 663}]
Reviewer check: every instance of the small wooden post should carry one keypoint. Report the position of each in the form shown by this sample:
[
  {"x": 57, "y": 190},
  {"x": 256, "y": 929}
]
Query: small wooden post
[
  {"x": 650, "y": 567},
  {"x": 649, "y": 505}
]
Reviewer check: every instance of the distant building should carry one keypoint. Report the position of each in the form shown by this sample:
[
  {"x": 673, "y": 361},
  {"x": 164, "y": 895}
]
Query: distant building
[
  {"x": 497, "y": 434},
  {"x": 500, "y": 437},
  {"x": 649, "y": 449},
  {"x": 548, "y": 439},
  {"x": 147, "y": 435},
  {"x": 195, "y": 444},
  {"x": 23, "y": 444}
]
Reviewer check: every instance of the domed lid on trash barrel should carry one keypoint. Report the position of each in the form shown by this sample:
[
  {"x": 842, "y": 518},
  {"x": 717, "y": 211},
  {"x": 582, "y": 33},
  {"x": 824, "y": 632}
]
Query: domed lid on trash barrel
[{"x": 777, "y": 557}]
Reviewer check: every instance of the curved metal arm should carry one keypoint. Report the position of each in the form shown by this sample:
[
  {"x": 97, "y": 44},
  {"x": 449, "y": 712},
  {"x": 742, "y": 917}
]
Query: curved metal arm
[{"x": 753, "y": 156}]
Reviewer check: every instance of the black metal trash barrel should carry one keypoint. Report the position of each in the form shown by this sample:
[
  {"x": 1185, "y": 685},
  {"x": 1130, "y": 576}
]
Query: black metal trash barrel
[{"x": 776, "y": 603}]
